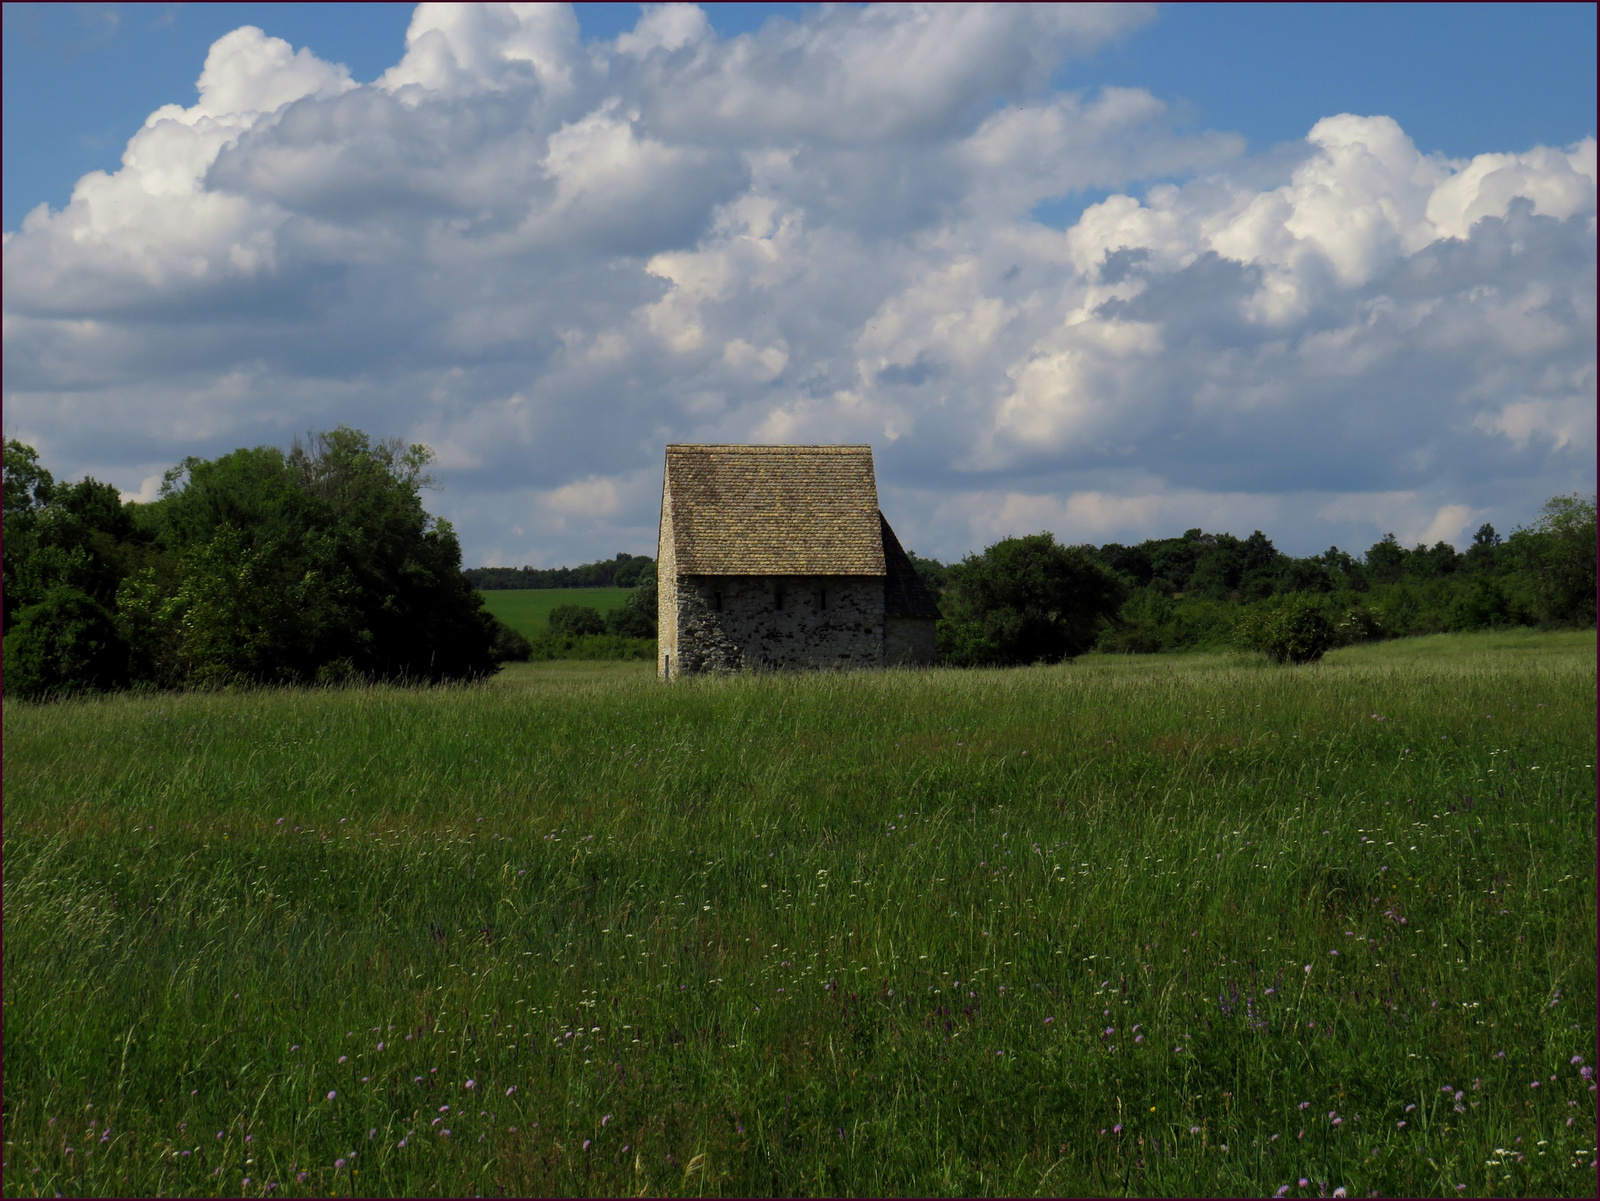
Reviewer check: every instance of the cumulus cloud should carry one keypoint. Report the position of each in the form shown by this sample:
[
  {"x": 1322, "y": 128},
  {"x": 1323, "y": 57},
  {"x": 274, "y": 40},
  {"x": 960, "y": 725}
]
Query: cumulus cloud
[{"x": 546, "y": 258}]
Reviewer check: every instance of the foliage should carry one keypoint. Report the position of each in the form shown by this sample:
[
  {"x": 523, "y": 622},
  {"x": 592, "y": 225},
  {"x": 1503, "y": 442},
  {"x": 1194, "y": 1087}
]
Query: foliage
[
  {"x": 1296, "y": 631},
  {"x": 1556, "y": 558},
  {"x": 509, "y": 645},
  {"x": 546, "y": 647},
  {"x": 575, "y": 621},
  {"x": 582, "y": 892},
  {"x": 65, "y": 643},
  {"x": 624, "y": 571},
  {"x": 637, "y": 616},
  {"x": 259, "y": 566},
  {"x": 1025, "y": 600}
]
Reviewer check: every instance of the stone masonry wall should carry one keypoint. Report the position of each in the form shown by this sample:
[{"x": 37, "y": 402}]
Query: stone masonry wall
[
  {"x": 734, "y": 623},
  {"x": 666, "y": 595}
]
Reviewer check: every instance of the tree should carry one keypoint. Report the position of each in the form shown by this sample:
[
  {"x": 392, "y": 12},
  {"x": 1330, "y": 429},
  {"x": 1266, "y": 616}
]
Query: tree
[
  {"x": 1556, "y": 555},
  {"x": 637, "y": 616},
  {"x": 509, "y": 645},
  {"x": 1026, "y": 600},
  {"x": 1386, "y": 561},
  {"x": 67, "y": 642},
  {"x": 1295, "y": 631},
  {"x": 345, "y": 566},
  {"x": 576, "y": 621}
]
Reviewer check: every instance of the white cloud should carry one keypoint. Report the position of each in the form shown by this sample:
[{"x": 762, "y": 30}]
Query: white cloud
[{"x": 547, "y": 259}]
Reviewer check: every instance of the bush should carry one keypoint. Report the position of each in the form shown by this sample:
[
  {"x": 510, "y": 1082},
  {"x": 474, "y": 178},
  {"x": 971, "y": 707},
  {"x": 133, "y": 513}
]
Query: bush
[
  {"x": 68, "y": 642},
  {"x": 1026, "y": 600},
  {"x": 575, "y": 621},
  {"x": 1297, "y": 631},
  {"x": 509, "y": 646},
  {"x": 637, "y": 616}
]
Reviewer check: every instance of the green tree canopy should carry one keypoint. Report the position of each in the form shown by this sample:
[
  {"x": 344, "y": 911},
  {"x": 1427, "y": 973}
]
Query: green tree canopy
[
  {"x": 1026, "y": 600},
  {"x": 261, "y": 565}
]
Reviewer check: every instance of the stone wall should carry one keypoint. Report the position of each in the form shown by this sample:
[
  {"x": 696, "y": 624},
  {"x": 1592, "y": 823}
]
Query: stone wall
[
  {"x": 739, "y": 623},
  {"x": 909, "y": 641},
  {"x": 666, "y": 594}
]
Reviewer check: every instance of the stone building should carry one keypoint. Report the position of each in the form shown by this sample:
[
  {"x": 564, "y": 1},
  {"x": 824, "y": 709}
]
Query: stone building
[{"x": 777, "y": 557}]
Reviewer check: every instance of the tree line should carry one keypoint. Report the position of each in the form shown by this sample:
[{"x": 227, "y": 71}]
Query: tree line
[
  {"x": 320, "y": 564},
  {"x": 624, "y": 571},
  {"x": 1030, "y": 599}
]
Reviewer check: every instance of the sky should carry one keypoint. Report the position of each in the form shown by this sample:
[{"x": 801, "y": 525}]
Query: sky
[{"x": 1111, "y": 271}]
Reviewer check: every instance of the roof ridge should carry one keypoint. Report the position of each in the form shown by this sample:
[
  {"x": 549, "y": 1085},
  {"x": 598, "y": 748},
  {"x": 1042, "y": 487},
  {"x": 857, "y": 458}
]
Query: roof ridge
[{"x": 771, "y": 446}]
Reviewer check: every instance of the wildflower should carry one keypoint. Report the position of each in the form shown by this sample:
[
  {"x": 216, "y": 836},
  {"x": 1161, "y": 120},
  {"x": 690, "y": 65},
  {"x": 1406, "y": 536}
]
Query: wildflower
[
  {"x": 1339, "y": 1192},
  {"x": 1305, "y": 1105},
  {"x": 344, "y": 1059},
  {"x": 472, "y": 1083},
  {"x": 1194, "y": 1130},
  {"x": 1308, "y": 969},
  {"x": 1281, "y": 1191},
  {"x": 1401, "y": 1124},
  {"x": 1304, "y": 1182},
  {"x": 332, "y": 1093},
  {"x": 444, "y": 1134},
  {"x": 1338, "y": 1121},
  {"x": 1117, "y": 1129},
  {"x": 1586, "y": 1072},
  {"x": 511, "y": 1089},
  {"x": 296, "y": 1047},
  {"x": 606, "y": 1121},
  {"x": 338, "y": 1163},
  {"x": 380, "y": 1046},
  {"x": 1576, "y": 1060},
  {"x": 1047, "y": 1021},
  {"x": 586, "y": 1144}
]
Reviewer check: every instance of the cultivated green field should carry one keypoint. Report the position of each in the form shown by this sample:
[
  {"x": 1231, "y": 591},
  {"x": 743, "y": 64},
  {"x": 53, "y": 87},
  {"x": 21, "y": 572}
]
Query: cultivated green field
[
  {"x": 1159, "y": 925},
  {"x": 527, "y": 610}
]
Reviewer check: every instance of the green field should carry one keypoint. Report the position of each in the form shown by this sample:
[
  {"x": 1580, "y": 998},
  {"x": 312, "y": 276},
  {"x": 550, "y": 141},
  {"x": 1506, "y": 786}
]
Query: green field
[
  {"x": 527, "y": 610},
  {"x": 1176, "y": 925}
]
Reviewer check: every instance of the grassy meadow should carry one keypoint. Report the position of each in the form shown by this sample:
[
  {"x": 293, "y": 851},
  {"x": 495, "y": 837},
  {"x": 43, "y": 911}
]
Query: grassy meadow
[
  {"x": 1147, "y": 925},
  {"x": 527, "y": 610}
]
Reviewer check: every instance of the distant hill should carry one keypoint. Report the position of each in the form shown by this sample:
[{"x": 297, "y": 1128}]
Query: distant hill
[{"x": 625, "y": 571}]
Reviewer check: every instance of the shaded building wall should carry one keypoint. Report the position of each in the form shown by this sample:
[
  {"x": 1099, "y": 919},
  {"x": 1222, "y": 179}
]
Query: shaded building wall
[
  {"x": 739, "y": 623},
  {"x": 909, "y": 641}
]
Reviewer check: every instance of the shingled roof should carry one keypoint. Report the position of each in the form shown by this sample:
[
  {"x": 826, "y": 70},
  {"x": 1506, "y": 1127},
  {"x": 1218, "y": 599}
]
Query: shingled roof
[{"x": 774, "y": 510}]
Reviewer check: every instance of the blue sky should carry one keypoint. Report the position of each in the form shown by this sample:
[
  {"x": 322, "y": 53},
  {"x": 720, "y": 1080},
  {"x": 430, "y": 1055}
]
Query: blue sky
[{"x": 1323, "y": 269}]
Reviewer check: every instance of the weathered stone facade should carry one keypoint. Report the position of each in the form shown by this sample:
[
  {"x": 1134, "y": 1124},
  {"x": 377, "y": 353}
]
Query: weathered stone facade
[
  {"x": 777, "y": 558},
  {"x": 737, "y": 623}
]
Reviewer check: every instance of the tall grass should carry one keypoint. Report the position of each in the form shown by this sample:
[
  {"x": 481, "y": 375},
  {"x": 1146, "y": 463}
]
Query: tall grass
[{"x": 1159, "y": 926}]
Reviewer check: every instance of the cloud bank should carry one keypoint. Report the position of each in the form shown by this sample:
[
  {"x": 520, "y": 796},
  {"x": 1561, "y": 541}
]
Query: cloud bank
[{"x": 547, "y": 258}]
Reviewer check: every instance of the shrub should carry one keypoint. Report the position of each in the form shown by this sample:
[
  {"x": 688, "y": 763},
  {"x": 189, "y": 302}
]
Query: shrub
[
  {"x": 509, "y": 646},
  {"x": 67, "y": 642},
  {"x": 574, "y": 621},
  {"x": 637, "y": 616},
  {"x": 1297, "y": 631}
]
